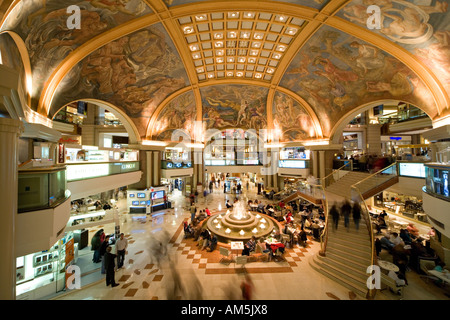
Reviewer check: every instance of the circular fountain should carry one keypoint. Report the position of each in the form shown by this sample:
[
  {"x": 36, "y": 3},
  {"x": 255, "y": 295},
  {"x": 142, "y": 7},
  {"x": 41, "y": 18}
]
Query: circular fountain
[{"x": 240, "y": 224}]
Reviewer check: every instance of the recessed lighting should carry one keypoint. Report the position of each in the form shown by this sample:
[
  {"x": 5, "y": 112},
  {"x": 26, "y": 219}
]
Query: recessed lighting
[
  {"x": 188, "y": 29},
  {"x": 277, "y": 55},
  {"x": 232, "y": 35},
  {"x": 241, "y": 60},
  {"x": 281, "y": 48},
  {"x": 229, "y": 74},
  {"x": 281, "y": 18},
  {"x": 251, "y": 60},
  {"x": 245, "y": 35},
  {"x": 218, "y": 35},
  {"x": 291, "y": 31},
  {"x": 210, "y": 75},
  {"x": 196, "y": 56},
  {"x": 218, "y": 44},
  {"x": 258, "y": 75},
  {"x": 253, "y": 52},
  {"x": 256, "y": 44},
  {"x": 258, "y": 36},
  {"x": 233, "y": 14},
  {"x": 219, "y": 60},
  {"x": 230, "y": 59},
  {"x": 239, "y": 74},
  {"x": 200, "y": 70},
  {"x": 200, "y": 17},
  {"x": 270, "y": 70},
  {"x": 219, "y": 52},
  {"x": 193, "y": 47},
  {"x": 249, "y": 15}
]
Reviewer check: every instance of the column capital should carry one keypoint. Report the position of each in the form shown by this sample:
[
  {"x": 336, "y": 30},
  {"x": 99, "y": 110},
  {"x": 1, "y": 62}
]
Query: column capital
[{"x": 11, "y": 125}]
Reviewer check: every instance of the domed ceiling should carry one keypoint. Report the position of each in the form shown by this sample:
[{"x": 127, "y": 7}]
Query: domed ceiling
[{"x": 297, "y": 67}]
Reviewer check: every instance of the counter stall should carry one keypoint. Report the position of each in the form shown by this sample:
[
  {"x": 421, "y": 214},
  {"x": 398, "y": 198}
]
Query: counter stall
[{"x": 148, "y": 200}]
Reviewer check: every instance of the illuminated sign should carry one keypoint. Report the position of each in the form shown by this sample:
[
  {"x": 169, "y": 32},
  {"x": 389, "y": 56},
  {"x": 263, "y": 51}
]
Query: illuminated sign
[
  {"x": 416, "y": 170},
  {"x": 295, "y": 164},
  {"x": 85, "y": 171}
]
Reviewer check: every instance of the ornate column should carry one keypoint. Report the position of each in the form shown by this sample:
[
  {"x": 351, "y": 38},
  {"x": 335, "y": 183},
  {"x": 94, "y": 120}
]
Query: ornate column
[{"x": 9, "y": 135}]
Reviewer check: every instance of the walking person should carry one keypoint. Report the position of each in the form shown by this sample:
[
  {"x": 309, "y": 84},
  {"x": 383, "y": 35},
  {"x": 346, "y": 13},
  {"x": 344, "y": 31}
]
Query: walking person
[
  {"x": 346, "y": 210},
  {"x": 109, "y": 267},
  {"x": 121, "y": 246},
  {"x": 247, "y": 185},
  {"x": 334, "y": 212},
  {"x": 103, "y": 248},
  {"x": 96, "y": 243},
  {"x": 193, "y": 212},
  {"x": 356, "y": 210}
]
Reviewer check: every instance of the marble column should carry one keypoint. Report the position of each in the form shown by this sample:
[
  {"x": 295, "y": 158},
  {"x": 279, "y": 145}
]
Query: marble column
[{"x": 9, "y": 135}]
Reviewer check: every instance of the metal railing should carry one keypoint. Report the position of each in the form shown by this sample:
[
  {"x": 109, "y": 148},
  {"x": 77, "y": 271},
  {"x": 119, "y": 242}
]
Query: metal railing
[
  {"x": 336, "y": 174},
  {"x": 377, "y": 179},
  {"x": 357, "y": 197}
]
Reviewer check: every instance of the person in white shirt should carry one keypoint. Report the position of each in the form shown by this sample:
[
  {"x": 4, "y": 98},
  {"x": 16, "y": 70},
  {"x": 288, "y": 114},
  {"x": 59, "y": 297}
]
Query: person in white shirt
[
  {"x": 121, "y": 246},
  {"x": 393, "y": 240}
]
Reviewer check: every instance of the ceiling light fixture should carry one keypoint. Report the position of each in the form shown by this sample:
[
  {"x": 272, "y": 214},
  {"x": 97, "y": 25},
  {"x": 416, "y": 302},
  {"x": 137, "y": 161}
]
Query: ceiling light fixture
[{"x": 188, "y": 30}]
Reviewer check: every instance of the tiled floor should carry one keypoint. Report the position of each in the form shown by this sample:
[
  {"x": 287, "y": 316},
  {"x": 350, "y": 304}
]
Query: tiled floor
[{"x": 189, "y": 273}]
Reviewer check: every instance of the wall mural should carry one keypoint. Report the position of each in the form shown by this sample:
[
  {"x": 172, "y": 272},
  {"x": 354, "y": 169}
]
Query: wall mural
[
  {"x": 316, "y": 4},
  {"x": 291, "y": 119},
  {"x": 420, "y": 26},
  {"x": 335, "y": 72},
  {"x": 135, "y": 73},
  {"x": 42, "y": 24},
  {"x": 234, "y": 106},
  {"x": 180, "y": 113}
]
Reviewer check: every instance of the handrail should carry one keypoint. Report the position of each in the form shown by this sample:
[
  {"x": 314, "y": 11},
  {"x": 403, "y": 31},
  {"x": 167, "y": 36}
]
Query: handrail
[
  {"x": 373, "y": 258},
  {"x": 378, "y": 172},
  {"x": 324, "y": 179}
]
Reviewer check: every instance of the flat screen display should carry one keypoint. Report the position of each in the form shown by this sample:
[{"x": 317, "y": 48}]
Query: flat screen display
[
  {"x": 135, "y": 203},
  {"x": 158, "y": 195},
  {"x": 141, "y": 195},
  {"x": 297, "y": 164},
  {"x": 416, "y": 170},
  {"x": 131, "y": 195},
  {"x": 143, "y": 203}
]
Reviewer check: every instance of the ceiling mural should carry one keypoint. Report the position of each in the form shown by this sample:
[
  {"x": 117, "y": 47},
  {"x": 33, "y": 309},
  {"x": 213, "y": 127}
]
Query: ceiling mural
[
  {"x": 335, "y": 73},
  {"x": 316, "y": 4},
  {"x": 421, "y": 27},
  {"x": 135, "y": 73},
  {"x": 180, "y": 113},
  {"x": 291, "y": 120},
  {"x": 234, "y": 106},
  {"x": 42, "y": 24}
]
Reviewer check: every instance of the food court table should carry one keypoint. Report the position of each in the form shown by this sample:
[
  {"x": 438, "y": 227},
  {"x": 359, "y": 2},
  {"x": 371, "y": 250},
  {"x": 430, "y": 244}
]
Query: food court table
[
  {"x": 254, "y": 207},
  {"x": 444, "y": 276},
  {"x": 389, "y": 266}
]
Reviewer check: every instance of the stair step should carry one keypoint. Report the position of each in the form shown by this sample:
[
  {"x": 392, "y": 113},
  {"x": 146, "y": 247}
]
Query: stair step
[
  {"x": 358, "y": 261},
  {"x": 352, "y": 250},
  {"x": 358, "y": 288},
  {"x": 357, "y": 274},
  {"x": 362, "y": 258},
  {"x": 351, "y": 243}
]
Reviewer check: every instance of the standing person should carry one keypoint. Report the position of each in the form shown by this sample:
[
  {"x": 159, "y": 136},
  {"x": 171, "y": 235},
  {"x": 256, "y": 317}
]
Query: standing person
[
  {"x": 346, "y": 209},
  {"x": 239, "y": 188},
  {"x": 224, "y": 187},
  {"x": 211, "y": 187},
  {"x": 196, "y": 196},
  {"x": 121, "y": 246},
  {"x": 247, "y": 287},
  {"x": 165, "y": 200},
  {"x": 95, "y": 245},
  {"x": 103, "y": 248},
  {"x": 334, "y": 212},
  {"x": 208, "y": 213},
  {"x": 109, "y": 266},
  {"x": 247, "y": 184},
  {"x": 193, "y": 211},
  {"x": 356, "y": 210}
]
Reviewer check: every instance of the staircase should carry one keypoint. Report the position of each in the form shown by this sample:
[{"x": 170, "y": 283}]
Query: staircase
[
  {"x": 342, "y": 187},
  {"x": 347, "y": 256}
]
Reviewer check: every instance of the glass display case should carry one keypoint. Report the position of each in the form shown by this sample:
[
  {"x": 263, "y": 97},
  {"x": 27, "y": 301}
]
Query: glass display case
[
  {"x": 41, "y": 188},
  {"x": 437, "y": 176}
]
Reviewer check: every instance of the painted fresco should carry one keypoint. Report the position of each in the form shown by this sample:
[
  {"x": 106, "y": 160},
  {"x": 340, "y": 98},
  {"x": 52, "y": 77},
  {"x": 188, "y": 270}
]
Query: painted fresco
[
  {"x": 234, "y": 106},
  {"x": 291, "y": 119},
  {"x": 335, "y": 72},
  {"x": 316, "y": 4},
  {"x": 180, "y": 113},
  {"x": 420, "y": 26},
  {"x": 43, "y": 27},
  {"x": 135, "y": 73}
]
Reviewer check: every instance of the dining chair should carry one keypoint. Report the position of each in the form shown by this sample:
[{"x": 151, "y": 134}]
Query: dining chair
[
  {"x": 225, "y": 253},
  {"x": 242, "y": 260}
]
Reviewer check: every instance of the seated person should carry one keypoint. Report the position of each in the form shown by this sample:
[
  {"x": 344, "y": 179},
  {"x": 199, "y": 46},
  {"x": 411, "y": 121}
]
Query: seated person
[
  {"x": 263, "y": 245},
  {"x": 315, "y": 227},
  {"x": 197, "y": 231},
  {"x": 431, "y": 232},
  {"x": 269, "y": 206},
  {"x": 322, "y": 216},
  {"x": 393, "y": 240},
  {"x": 289, "y": 218},
  {"x": 249, "y": 246},
  {"x": 208, "y": 213},
  {"x": 201, "y": 215},
  {"x": 379, "y": 224},
  {"x": 398, "y": 281},
  {"x": 261, "y": 207},
  {"x": 228, "y": 204},
  {"x": 383, "y": 214},
  {"x": 278, "y": 236},
  {"x": 302, "y": 238},
  {"x": 404, "y": 234},
  {"x": 203, "y": 239},
  {"x": 212, "y": 243},
  {"x": 413, "y": 231},
  {"x": 250, "y": 202}
]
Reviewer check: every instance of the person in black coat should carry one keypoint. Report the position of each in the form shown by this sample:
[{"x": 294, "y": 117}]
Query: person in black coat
[
  {"x": 334, "y": 212},
  {"x": 346, "y": 210},
  {"x": 109, "y": 267},
  {"x": 356, "y": 210}
]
